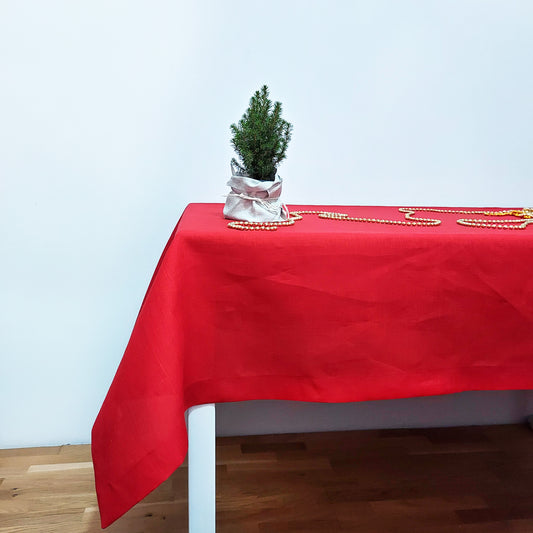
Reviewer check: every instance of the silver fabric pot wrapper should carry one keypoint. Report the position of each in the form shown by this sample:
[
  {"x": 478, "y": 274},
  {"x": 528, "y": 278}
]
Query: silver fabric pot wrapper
[{"x": 255, "y": 201}]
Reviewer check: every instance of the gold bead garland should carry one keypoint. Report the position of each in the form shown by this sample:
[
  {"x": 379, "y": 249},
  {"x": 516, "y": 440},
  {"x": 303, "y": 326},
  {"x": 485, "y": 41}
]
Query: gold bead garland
[
  {"x": 502, "y": 224},
  {"x": 525, "y": 218},
  {"x": 525, "y": 212}
]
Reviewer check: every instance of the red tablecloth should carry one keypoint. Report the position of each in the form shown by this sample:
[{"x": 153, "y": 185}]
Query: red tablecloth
[{"x": 323, "y": 311}]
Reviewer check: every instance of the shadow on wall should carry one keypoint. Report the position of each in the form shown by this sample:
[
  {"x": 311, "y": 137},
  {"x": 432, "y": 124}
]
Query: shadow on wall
[{"x": 462, "y": 409}]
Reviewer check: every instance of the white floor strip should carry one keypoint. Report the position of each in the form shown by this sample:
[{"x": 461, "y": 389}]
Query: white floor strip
[{"x": 59, "y": 466}]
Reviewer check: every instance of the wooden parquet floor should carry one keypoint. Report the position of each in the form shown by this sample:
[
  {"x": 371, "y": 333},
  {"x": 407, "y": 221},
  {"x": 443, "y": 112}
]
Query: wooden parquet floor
[{"x": 466, "y": 480}]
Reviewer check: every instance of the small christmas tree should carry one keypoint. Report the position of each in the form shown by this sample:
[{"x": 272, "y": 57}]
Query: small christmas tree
[{"x": 260, "y": 138}]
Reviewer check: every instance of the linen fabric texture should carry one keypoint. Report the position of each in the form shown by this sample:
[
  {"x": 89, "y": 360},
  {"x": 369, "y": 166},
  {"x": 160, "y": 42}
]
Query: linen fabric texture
[{"x": 322, "y": 311}]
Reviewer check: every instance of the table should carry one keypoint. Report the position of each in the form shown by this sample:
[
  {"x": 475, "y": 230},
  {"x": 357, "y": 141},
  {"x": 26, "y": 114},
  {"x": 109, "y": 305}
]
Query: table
[{"x": 323, "y": 311}]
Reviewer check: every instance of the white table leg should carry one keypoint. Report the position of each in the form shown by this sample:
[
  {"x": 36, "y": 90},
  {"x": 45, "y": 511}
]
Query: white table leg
[{"x": 202, "y": 460}]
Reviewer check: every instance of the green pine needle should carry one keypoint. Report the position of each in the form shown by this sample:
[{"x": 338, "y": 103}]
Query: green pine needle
[{"x": 261, "y": 138}]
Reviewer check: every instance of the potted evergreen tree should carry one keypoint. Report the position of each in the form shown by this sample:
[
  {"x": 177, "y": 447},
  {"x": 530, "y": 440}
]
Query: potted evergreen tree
[{"x": 260, "y": 140}]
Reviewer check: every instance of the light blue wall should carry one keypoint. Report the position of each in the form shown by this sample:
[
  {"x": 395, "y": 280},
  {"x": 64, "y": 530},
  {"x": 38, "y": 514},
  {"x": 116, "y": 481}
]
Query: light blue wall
[{"x": 115, "y": 114}]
